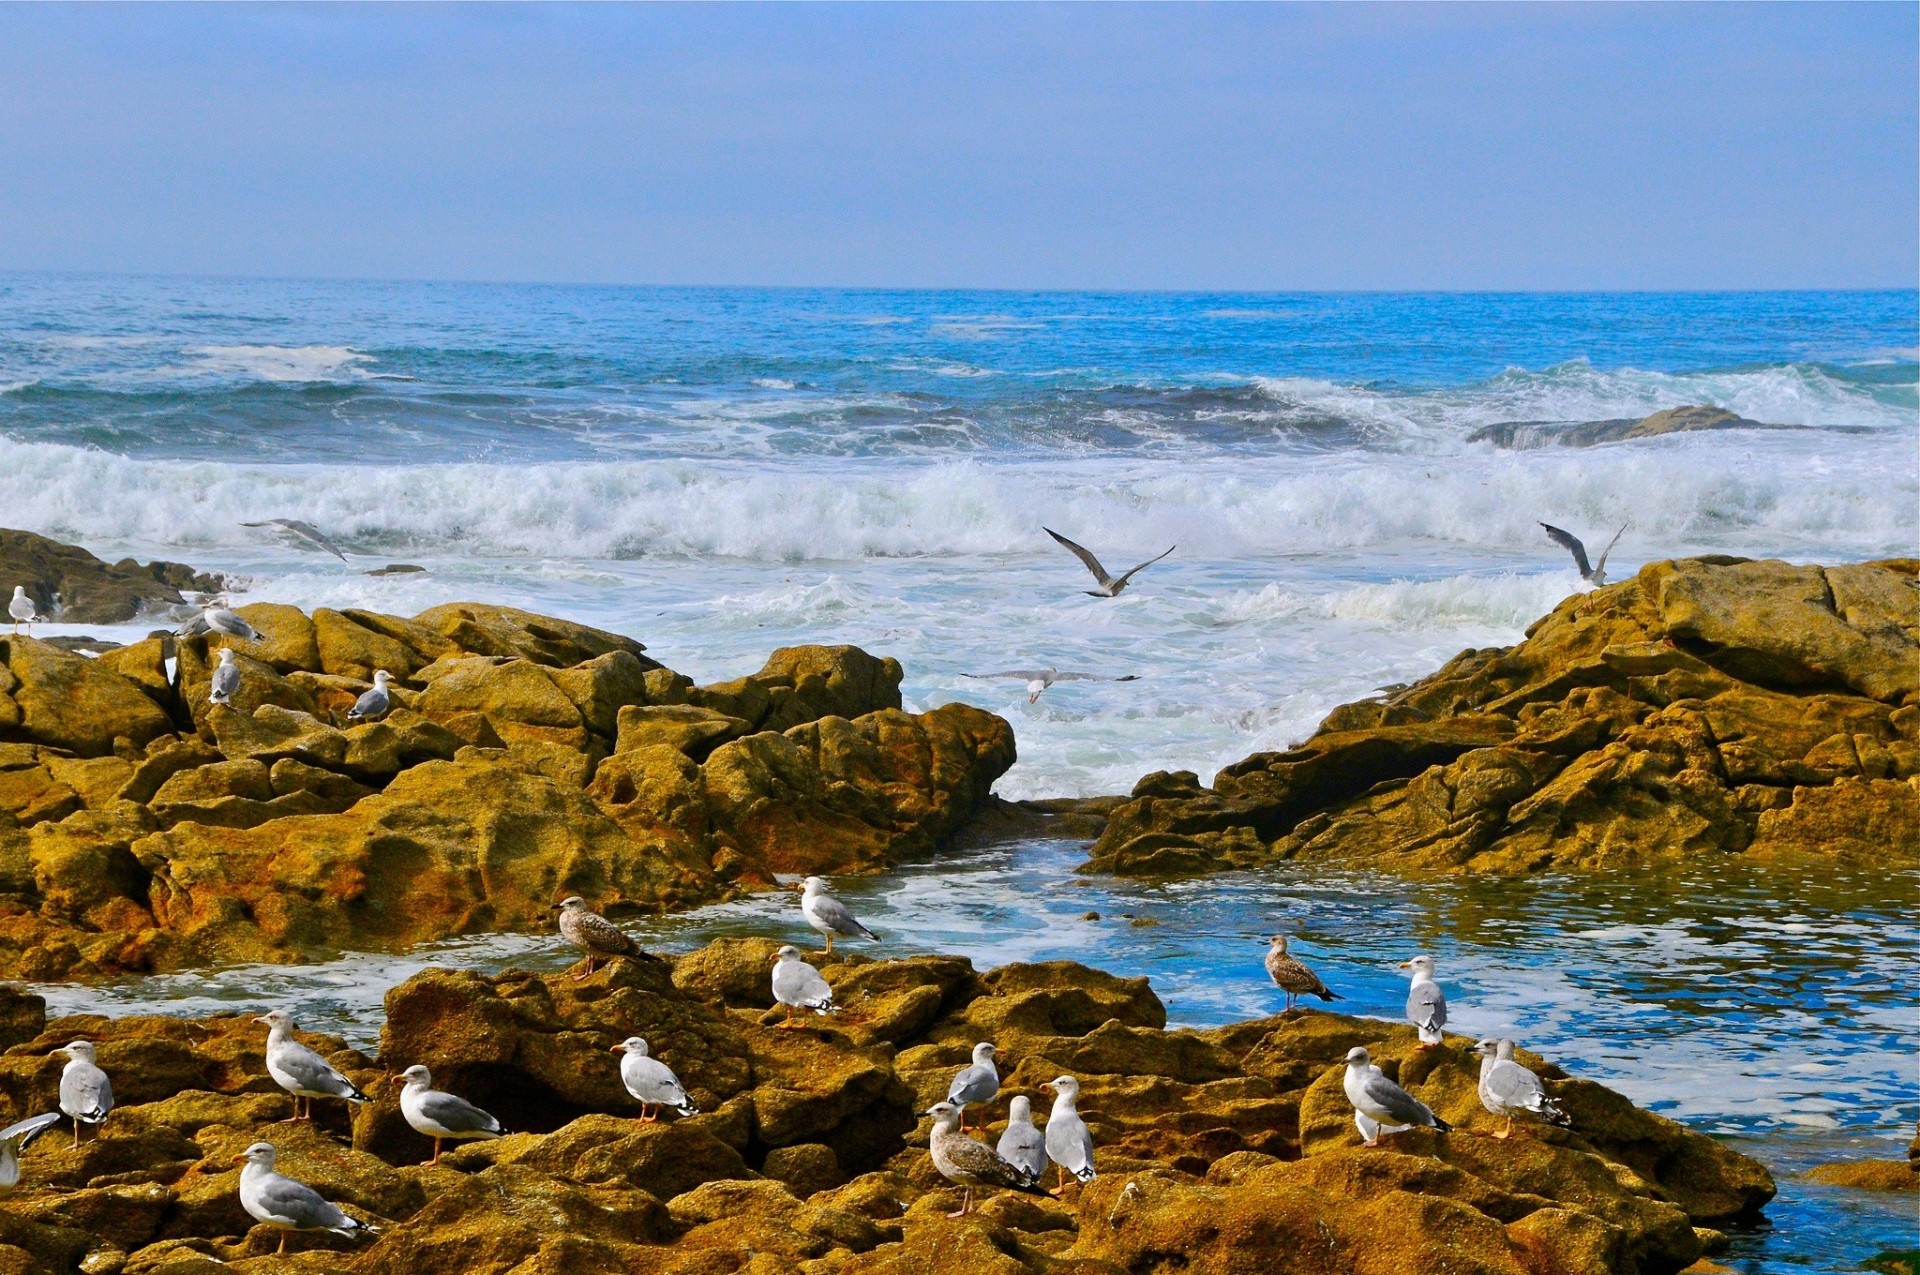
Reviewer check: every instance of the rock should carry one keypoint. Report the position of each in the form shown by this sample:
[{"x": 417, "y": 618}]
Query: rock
[
  {"x": 1706, "y": 706},
  {"x": 681, "y": 727},
  {"x": 507, "y": 632},
  {"x": 68, "y": 701},
  {"x": 1868, "y": 1175},
  {"x": 1673, "y": 420},
  {"x": 72, "y": 586}
]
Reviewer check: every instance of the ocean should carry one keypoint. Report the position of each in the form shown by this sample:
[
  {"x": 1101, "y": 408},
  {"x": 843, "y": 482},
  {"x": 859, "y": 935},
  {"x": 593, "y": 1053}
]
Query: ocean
[{"x": 720, "y": 472}]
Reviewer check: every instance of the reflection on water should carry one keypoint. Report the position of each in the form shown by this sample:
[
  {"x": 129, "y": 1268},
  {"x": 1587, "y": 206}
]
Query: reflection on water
[{"x": 1770, "y": 1005}]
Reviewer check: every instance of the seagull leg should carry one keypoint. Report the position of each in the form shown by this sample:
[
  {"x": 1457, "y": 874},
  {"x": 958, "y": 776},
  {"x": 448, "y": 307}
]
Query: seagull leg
[
  {"x": 283, "y": 1244},
  {"x": 580, "y": 974},
  {"x": 966, "y": 1204},
  {"x": 647, "y": 1113},
  {"x": 829, "y": 948},
  {"x": 436, "y": 1152}
]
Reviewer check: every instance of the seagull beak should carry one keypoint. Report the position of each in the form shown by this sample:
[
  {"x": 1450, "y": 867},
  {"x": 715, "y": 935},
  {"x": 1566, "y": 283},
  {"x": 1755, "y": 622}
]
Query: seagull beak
[
  {"x": 1047, "y": 1087},
  {"x": 618, "y": 1049},
  {"x": 396, "y": 1080},
  {"x": 1405, "y": 965},
  {"x": 260, "y": 1020},
  {"x": 237, "y": 1159}
]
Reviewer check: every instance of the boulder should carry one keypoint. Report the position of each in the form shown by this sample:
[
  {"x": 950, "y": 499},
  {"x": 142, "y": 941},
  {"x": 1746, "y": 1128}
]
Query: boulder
[
  {"x": 72, "y": 586},
  {"x": 68, "y": 701}
]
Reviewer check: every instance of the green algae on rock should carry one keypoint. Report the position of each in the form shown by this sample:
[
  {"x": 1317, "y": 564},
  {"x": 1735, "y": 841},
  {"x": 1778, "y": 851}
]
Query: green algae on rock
[
  {"x": 1706, "y": 706},
  {"x": 1227, "y": 1150}
]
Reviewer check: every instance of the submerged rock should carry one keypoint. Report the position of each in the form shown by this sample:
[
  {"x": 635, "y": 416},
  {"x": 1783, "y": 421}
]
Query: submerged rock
[
  {"x": 1706, "y": 706},
  {"x": 1226, "y": 1150},
  {"x": 1674, "y": 420}
]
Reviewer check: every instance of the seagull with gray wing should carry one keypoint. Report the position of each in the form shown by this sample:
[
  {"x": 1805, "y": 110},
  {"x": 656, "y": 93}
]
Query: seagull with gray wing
[
  {"x": 215, "y": 617},
  {"x": 829, "y": 915},
  {"x": 439, "y": 1115},
  {"x": 226, "y": 679},
  {"x": 374, "y": 703},
  {"x": 1069, "y": 1141},
  {"x": 1023, "y": 1144},
  {"x": 651, "y": 1081},
  {"x": 15, "y": 1138},
  {"x": 300, "y": 1070},
  {"x": 971, "y": 1163},
  {"x": 798, "y": 985},
  {"x": 1508, "y": 1089},
  {"x": 1379, "y": 1105},
  {"x": 977, "y": 1084},
  {"x": 1596, "y": 573},
  {"x": 1426, "y": 1003},
  {"x": 278, "y": 1200},
  {"x": 86, "y": 1095},
  {"x": 1110, "y": 586},
  {"x": 22, "y": 609},
  {"x": 1039, "y": 679},
  {"x": 303, "y": 531}
]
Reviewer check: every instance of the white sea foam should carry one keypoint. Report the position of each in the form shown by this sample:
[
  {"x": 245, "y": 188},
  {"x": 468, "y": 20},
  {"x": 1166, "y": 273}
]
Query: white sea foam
[{"x": 281, "y": 363}]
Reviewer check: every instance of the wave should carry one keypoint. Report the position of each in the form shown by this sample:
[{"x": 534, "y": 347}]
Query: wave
[{"x": 1779, "y": 493}]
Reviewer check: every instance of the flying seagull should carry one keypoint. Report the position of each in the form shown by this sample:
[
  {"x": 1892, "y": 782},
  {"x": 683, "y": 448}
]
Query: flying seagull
[
  {"x": 1039, "y": 679},
  {"x": 1110, "y": 586},
  {"x": 303, "y": 530},
  {"x": 1596, "y": 574}
]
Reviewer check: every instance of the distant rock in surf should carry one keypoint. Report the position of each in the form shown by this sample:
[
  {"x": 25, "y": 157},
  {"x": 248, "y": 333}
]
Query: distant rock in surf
[{"x": 1674, "y": 420}]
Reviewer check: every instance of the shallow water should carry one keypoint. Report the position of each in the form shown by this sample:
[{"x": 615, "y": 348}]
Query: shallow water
[{"x": 1767, "y": 1005}]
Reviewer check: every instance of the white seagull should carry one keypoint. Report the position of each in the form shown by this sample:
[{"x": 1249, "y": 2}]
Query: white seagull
[
  {"x": 1069, "y": 1141},
  {"x": 226, "y": 678},
  {"x": 1023, "y": 1145},
  {"x": 829, "y": 915},
  {"x": 22, "y": 609},
  {"x": 975, "y": 1085},
  {"x": 1110, "y": 586},
  {"x": 374, "y": 703},
  {"x": 1426, "y": 1003},
  {"x": 1039, "y": 679},
  {"x": 439, "y": 1115},
  {"x": 651, "y": 1081},
  {"x": 1507, "y": 1088},
  {"x": 1379, "y": 1105},
  {"x": 798, "y": 985},
  {"x": 303, "y": 530},
  {"x": 291, "y": 1205},
  {"x": 1595, "y": 574},
  {"x": 15, "y": 1138},
  {"x": 215, "y": 618},
  {"x": 300, "y": 1070},
  {"x": 86, "y": 1095}
]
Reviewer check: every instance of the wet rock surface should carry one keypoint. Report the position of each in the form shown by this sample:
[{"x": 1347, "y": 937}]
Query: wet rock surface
[
  {"x": 1706, "y": 706},
  {"x": 1227, "y": 1150},
  {"x": 524, "y": 759},
  {"x": 71, "y": 586}
]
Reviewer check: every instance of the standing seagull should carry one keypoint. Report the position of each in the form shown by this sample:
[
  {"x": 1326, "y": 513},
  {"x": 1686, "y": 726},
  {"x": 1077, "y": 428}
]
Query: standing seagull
[
  {"x": 226, "y": 678},
  {"x": 214, "y": 618},
  {"x": 963, "y": 1160},
  {"x": 86, "y": 1095},
  {"x": 440, "y": 1115},
  {"x": 373, "y": 704},
  {"x": 14, "y": 1139},
  {"x": 798, "y": 985},
  {"x": 300, "y": 1070},
  {"x": 22, "y": 609},
  {"x": 304, "y": 530},
  {"x": 976, "y": 1085},
  {"x": 1110, "y": 586},
  {"x": 651, "y": 1081},
  {"x": 1596, "y": 574},
  {"x": 1426, "y": 1003},
  {"x": 1292, "y": 976},
  {"x": 591, "y": 932},
  {"x": 1023, "y": 1145},
  {"x": 291, "y": 1205},
  {"x": 1039, "y": 679},
  {"x": 829, "y": 915},
  {"x": 1379, "y": 1105},
  {"x": 1507, "y": 1088},
  {"x": 1069, "y": 1141}
]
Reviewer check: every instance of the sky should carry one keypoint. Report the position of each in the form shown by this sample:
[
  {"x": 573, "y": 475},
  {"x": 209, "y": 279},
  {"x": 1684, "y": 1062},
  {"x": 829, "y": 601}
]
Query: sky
[{"x": 1454, "y": 147}]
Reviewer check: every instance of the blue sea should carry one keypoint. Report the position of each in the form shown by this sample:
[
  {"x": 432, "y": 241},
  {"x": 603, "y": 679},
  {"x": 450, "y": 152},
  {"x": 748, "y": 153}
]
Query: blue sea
[{"x": 719, "y": 472}]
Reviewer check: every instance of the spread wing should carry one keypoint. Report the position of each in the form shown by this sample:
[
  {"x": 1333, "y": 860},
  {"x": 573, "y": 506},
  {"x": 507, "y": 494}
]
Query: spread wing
[
  {"x": 455, "y": 1114},
  {"x": 1571, "y": 543},
  {"x": 1602, "y": 564},
  {"x": 978, "y": 1083},
  {"x": 305, "y": 530},
  {"x": 1023, "y": 674},
  {"x": 1133, "y": 571},
  {"x": 1095, "y": 677},
  {"x": 1100, "y": 575},
  {"x": 1427, "y": 1007}
]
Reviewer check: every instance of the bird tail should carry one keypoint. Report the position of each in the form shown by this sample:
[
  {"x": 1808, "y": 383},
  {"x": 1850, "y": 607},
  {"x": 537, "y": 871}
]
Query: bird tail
[
  {"x": 1327, "y": 994},
  {"x": 1440, "y": 1124},
  {"x": 1085, "y": 1175},
  {"x": 356, "y": 1094},
  {"x": 354, "y": 1227},
  {"x": 1555, "y": 1114},
  {"x": 867, "y": 934},
  {"x": 687, "y": 1108}
]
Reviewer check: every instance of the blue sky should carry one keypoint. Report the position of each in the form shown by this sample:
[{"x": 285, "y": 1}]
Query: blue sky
[{"x": 1299, "y": 146}]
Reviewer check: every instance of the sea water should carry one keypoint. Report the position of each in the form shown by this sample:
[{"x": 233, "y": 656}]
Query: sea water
[{"x": 719, "y": 472}]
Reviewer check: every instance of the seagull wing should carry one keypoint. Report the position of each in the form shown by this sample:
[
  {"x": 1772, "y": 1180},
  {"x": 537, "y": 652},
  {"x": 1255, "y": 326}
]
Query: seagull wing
[
  {"x": 308, "y": 531},
  {"x": 1094, "y": 677},
  {"x": 978, "y": 1083},
  {"x": 452, "y": 1112},
  {"x": 1401, "y": 1107},
  {"x": 1024, "y": 674},
  {"x": 1601, "y": 565},
  {"x": 1571, "y": 543},
  {"x": 21, "y": 1135},
  {"x": 1143, "y": 566},
  {"x": 1514, "y": 1087},
  {"x": 1100, "y": 575},
  {"x": 283, "y": 1197},
  {"x": 838, "y": 917},
  {"x": 1427, "y": 1006}
]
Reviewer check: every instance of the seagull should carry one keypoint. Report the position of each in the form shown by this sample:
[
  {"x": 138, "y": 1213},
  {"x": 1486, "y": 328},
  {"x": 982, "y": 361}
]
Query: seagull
[
  {"x": 1292, "y": 976},
  {"x": 278, "y": 1200},
  {"x": 1379, "y": 1105},
  {"x": 975, "y": 1085},
  {"x": 1596, "y": 575},
  {"x": 829, "y": 915},
  {"x": 1023, "y": 1145},
  {"x": 1069, "y": 1141},
  {"x": 301, "y": 1071},
  {"x": 590, "y": 931},
  {"x": 1039, "y": 679},
  {"x": 798, "y": 985},
  {"x": 651, "y": 1081},
  {"x": 1426, "y": 1003},
  {"x": 372, "y": 704},
  {"x": 226, "y": 678},
  {"x": 14, "y": 1140},
  {"x": 214, "y": 618},
  {"x": 1507, "y": 1088},
  {"x": 86, "y": 1095},
  {"x": 439, "y": 1115},
  {"x": 304, "y": 530},
  {"x": 970, "y": 1163},
  {"x": 1110, "y": 586},
  {"x": 22, "y": 609}
]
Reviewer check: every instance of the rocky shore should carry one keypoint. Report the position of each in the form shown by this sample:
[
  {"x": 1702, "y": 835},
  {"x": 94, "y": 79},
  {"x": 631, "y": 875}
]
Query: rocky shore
[
  {"x": 1708, "y": 706},
  {"x": 144, "y": 828},
  {"x": 1225, "y": 1150}
]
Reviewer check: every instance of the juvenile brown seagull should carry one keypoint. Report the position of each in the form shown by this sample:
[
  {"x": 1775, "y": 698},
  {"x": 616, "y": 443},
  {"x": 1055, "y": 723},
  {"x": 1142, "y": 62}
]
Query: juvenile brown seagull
[
  {"x": 592, "y": 933},
  {"x": 1292, "y": 976},
  {"x": 963, "y": 1160}
]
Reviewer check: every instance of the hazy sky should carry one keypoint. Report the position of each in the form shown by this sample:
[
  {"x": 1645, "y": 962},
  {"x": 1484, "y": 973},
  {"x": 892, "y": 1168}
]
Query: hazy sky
[{"x": 1367, "y": 146}]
